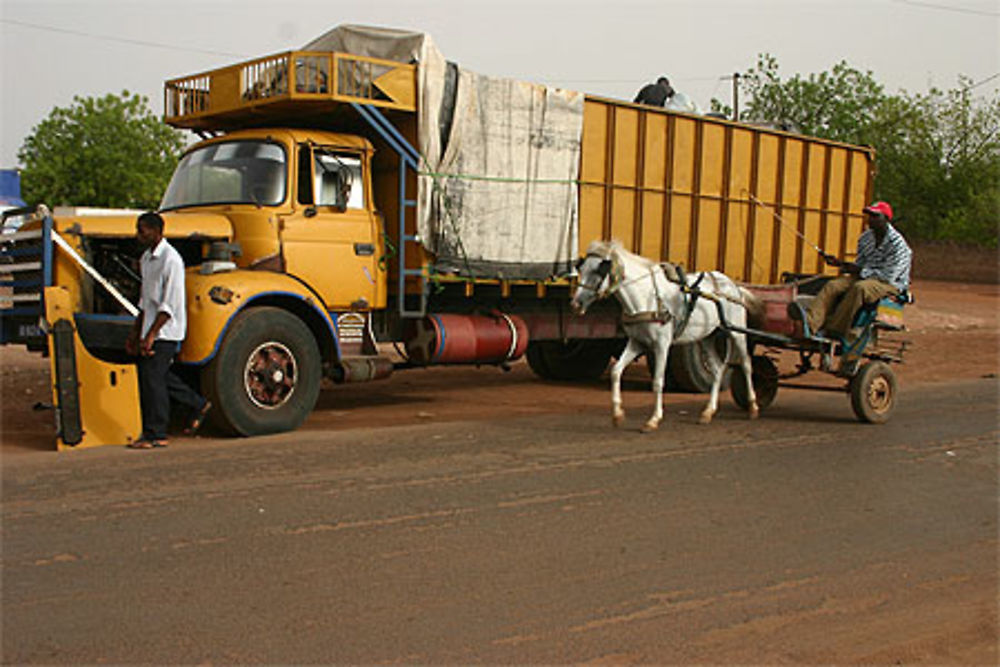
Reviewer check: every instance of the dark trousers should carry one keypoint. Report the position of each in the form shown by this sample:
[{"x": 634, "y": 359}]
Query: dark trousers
[{"x": 158, "y": 385}]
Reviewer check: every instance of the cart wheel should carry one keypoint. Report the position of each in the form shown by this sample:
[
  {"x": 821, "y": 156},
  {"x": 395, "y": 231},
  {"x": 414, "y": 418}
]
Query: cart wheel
[
  {"x": 765, "y": 383},
  {"x": 873, "y": 392}
]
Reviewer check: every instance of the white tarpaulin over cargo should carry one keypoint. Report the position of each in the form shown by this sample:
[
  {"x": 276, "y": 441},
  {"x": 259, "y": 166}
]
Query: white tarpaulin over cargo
[{"x": 498, "y": 187}]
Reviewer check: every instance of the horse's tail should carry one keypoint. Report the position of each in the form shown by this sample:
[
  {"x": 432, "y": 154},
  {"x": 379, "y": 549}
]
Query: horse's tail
[{"x": 755, "y": 308}]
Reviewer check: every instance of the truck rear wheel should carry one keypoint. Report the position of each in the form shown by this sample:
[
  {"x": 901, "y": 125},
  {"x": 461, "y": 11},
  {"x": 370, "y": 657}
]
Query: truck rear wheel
[
  {"x": 692, "y": 366},
  {"x": 575, "y": 360},
  {"x": 266, "y": 375}
]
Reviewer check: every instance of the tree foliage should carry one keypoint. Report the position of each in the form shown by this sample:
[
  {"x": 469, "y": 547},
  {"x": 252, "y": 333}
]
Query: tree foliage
[
  {"x": 109, "y": 151},
  {"x": 938, "y": 153}
]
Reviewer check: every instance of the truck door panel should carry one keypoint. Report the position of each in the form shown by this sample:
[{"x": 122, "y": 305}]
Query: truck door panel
[{"x": 330, "y": 241}]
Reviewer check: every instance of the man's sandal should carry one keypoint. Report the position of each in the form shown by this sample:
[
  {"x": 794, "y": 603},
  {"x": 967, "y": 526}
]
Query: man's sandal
[
  {"x": 147, "y": 444},
  {"x": 198, "y": 419}
]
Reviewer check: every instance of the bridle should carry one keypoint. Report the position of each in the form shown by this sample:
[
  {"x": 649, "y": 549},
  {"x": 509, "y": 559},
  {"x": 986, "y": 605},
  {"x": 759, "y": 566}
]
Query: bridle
[{"x": 602, "y": 271}]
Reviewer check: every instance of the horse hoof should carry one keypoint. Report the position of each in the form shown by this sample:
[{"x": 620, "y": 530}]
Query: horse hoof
[
  {"x": 617, "y": 420},
  {"x": 706, "y": 418},
  {"x": 649, "y": 427},
  {"x": 754, "y": 412}
]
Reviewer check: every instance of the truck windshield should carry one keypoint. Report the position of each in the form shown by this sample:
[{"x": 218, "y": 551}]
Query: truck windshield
[{"x": 234, "y": 172}]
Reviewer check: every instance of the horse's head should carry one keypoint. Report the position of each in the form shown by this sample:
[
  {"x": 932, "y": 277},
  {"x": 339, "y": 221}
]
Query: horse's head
[{"x": 595, "y": 277}]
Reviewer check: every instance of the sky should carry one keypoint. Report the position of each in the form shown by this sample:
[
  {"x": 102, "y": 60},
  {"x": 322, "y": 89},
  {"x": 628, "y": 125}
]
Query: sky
[{"x": 52, "y": 50}]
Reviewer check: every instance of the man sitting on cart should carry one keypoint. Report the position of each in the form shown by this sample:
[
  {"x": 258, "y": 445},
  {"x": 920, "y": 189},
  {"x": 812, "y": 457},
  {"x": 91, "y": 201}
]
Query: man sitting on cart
[{"x": 881, "y": 269}]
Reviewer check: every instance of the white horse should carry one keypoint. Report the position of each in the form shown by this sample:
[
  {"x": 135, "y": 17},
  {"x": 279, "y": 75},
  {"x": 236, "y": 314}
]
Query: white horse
[{"x": 657, "y": 312}]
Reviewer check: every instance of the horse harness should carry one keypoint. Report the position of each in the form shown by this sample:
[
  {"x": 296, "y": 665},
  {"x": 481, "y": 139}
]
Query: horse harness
[
  {"x": 674, "y": 273},
  {"x": 690, "y": 293}
]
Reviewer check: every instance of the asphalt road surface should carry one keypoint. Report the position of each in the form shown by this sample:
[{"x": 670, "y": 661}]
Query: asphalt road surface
[{"x": 550, "y": 538}]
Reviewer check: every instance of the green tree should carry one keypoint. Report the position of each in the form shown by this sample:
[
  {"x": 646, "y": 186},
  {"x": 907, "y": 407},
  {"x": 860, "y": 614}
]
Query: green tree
[
  {"x": 948, "y": 166},
  {"x": 938, "y": 153},
  {"x": 836, "y": 105},
  {"x": 109, "y": 151}
]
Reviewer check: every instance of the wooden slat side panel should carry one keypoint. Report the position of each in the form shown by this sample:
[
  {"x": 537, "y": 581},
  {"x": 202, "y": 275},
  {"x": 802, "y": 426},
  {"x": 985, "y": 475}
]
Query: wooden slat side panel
[
  {"x": 712, "y": 160},
  {"x": 683, "y": 167},
  {"x": 836, "y": 216},
  {"x": 652, "y": 182},
  {"x": 594, "y": 165},
  {"x": 623, "y": 211},
  {"x": 624, "y": 148},
  {"x": 708, "y": 239},
  {"x": 591, "y": 215},
  {"x": 739, "y": 225},
  {"x": 680, "y": 229},
  {"x": 764, "y": 254},
  {"x": 651, "y": 238},
  {"x": 595, "y": 129},
  {"x": 815, "y": 181},
  {"x": 682, "y": 192},
  {"x": 710, "y": 194},
  {"x": 810, "y": 257},
  {"x": 791, "y": 193}
]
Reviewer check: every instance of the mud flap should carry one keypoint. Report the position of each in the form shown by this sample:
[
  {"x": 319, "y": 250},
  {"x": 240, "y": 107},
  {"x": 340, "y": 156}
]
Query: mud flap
[{"x": 66, "y": 385}]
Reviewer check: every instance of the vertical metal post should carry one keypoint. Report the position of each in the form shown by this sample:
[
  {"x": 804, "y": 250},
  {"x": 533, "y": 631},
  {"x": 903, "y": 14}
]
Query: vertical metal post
[
  {"x": 668, "y": 189},
  {"x": 736, "y": 96},
  {"x": 401, "y": 256},
  {"x": 46, "y": 254}
]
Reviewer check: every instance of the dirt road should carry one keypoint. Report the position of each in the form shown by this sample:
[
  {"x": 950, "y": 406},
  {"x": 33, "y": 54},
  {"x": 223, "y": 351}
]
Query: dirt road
[
  {"x": 458, "y": 515},
  {"x": 804, "y": 537}
]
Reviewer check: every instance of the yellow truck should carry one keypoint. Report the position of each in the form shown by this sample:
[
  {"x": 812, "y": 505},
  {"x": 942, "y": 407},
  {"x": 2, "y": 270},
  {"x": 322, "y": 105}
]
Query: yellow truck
[{"x": 326, "y": 212}]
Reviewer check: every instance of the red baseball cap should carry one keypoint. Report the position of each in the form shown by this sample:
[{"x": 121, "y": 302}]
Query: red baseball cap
[{"x": 880, "y": 207}]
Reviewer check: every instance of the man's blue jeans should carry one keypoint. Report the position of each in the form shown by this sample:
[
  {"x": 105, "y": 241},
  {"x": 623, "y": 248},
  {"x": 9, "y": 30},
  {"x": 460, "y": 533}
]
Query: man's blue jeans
[{"x": 158, "y": 386}]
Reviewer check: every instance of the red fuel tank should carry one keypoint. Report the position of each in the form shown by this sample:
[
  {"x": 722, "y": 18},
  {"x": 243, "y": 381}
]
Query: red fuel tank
[{"x": 466, "y": 339}]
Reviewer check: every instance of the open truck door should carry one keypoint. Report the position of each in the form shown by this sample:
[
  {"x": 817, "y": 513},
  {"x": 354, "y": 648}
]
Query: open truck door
[{"x": 96, "y": 402}]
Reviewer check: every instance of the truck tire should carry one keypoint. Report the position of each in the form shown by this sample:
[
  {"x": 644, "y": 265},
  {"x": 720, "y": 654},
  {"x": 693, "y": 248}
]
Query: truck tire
[
  {"x": 266, "y": 375},
  {"x": 873, "y": 392},
  {"x": 764, "y": 376},
  {"x": 692, "y": 366},
  {"x": 574, "y": 361}
]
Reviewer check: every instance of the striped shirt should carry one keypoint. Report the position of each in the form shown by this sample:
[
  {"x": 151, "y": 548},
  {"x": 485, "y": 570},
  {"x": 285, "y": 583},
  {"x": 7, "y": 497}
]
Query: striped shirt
[{"x": 888, "y": 262}]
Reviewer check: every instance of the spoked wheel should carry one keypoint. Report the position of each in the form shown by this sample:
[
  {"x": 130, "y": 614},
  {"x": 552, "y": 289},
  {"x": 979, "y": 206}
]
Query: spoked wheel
[
  {"x": 266, "y": 376},
  {"x": 764, "y": 376},
  {"x": 270, "y": 375},
  {"x": 873, "y": 392}
]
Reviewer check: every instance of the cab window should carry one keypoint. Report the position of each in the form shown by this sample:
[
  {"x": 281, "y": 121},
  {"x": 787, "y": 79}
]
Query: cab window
[{"x": 337, "y": 179}]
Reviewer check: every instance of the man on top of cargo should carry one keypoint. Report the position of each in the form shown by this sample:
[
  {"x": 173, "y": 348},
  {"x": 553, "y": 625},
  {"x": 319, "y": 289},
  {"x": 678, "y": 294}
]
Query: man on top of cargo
[
  {"x": 157, "y": 334},
  {"x": 881, "y": 269},
  {"x": 655, "y": 94}
]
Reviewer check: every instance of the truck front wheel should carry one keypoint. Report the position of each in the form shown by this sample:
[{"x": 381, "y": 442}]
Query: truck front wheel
[{"x": 266, "y": 375}]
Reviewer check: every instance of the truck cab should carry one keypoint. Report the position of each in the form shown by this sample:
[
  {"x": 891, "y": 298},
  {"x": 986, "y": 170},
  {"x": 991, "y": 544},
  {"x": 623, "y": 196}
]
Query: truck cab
[{"x": 299, "y": 203}]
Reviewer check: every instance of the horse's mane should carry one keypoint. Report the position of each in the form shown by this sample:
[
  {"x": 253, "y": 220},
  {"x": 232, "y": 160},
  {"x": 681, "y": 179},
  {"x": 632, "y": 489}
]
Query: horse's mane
[{"x": 606, "y": 249}]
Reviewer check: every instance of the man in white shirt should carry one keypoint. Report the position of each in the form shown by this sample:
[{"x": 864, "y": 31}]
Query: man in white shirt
[{"x": 157, "y": 334}]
